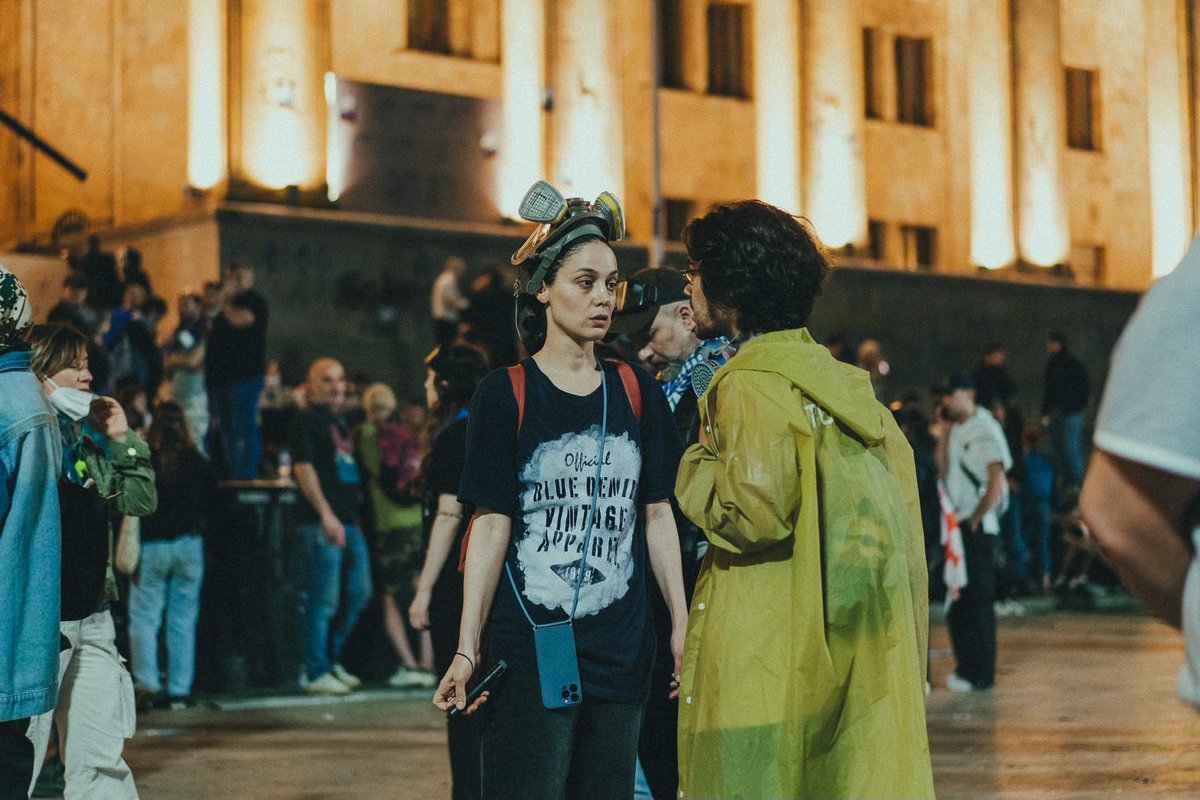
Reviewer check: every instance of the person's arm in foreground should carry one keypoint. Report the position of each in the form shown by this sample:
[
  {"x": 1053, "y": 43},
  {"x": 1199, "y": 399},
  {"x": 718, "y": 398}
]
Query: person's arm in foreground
[
  {"x": 1140, "y": 517},
  {"x": 441, "y": 542},
  {"x": 662, "y": 540},
  {"x": 485, "y": 559}
]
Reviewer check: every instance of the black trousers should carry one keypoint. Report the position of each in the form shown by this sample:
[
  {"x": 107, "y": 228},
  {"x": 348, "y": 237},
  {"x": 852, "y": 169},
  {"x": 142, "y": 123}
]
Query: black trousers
[
  {"x": 972, "y": 617},
  {"x": 462, "y": 732},
  {"x": 585, "y": 752},
  {"x": 16, "y": 759}
]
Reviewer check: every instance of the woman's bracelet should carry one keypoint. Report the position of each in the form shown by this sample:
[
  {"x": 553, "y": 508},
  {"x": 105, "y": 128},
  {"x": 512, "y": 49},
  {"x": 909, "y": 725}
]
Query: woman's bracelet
[{"x": 468, "y": 658}]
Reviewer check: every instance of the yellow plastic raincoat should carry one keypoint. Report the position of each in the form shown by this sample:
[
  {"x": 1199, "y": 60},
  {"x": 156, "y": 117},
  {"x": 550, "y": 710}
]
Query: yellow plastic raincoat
[{"x": 804, "y": 666}]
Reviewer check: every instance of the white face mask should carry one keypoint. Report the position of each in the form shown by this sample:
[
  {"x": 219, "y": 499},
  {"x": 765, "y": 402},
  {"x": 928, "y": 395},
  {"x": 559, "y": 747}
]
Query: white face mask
[{"x": 71, "y": 403}]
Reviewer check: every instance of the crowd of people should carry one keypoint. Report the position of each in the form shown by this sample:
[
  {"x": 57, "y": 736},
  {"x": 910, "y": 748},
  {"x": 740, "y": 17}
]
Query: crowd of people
[{"x": 649, "y": 568}]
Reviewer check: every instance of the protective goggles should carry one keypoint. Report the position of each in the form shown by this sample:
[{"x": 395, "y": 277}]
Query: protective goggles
[
  {"x": 562, "y": 221},
  {"x": 633, "y": 296}
]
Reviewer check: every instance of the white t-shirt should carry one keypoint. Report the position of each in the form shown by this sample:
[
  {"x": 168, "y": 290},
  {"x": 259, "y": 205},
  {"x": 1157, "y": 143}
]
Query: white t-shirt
[
  {"x": 446, "y": 301},
  {"x": 974, "y": 444},
  {"x": 1151, "y": 410}
]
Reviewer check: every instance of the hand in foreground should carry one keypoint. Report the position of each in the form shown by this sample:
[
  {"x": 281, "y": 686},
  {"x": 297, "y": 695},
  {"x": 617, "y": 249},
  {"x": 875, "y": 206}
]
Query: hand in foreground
[
  {"x": 107, "y": 416},
  {"x": 452, "y": 691},
  {"x": 677, "y": 636}
]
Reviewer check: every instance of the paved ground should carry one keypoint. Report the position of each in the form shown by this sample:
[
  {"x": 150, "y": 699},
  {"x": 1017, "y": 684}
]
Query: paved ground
[{"x": 1085, "y": 708}]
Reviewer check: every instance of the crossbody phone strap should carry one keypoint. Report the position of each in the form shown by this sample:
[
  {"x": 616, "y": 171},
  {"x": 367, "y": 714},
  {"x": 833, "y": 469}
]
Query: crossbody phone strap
[{"x": 591, "y": 511}]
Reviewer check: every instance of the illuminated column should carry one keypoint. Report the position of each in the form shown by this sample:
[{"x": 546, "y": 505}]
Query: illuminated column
[
  {"x": 588, "y": 156},
  {"x": 522, "y": 25},
  {"x": 776, "y": 70},
  {"x": 1043, "y": 237},
  {"x": 206, "y": 93},
  {"x": 1170, "y": 157},
  {"x": 836, "y": 184},
  {"x": 993, "y": 240},
  {"x": 284, "y": 54}
]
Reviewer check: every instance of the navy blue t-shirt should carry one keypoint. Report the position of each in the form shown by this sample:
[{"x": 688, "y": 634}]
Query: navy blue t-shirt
[{"x": 543, "y": 479}]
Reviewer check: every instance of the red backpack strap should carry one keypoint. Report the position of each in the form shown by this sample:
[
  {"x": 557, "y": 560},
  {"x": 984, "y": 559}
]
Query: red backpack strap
[
  {"x": 633, "y": 391},
  {"x": 462, "y": 549},
  {"x": 516, "y": 374}
]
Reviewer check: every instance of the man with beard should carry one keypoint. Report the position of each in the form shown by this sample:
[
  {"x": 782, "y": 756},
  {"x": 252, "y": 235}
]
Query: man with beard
[
  {"x": 654, "y": 310},
  {"x": 804, "y": 665}
]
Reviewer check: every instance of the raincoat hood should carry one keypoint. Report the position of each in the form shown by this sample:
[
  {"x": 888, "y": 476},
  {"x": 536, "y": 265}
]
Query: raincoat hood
[{"x": 841, "y": 389}]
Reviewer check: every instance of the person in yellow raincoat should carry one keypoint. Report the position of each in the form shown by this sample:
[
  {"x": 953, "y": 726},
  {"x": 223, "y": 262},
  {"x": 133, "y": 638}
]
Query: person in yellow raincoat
[{"x": 804, "y": 665}]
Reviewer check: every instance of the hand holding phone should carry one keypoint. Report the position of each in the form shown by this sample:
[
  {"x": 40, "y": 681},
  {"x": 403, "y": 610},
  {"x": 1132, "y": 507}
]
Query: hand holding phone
[{"x": 479, "y": 688}]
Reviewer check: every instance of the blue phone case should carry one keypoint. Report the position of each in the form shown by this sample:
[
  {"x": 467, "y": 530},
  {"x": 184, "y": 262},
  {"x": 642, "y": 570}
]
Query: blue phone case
[{"x": 557, "y": 664}]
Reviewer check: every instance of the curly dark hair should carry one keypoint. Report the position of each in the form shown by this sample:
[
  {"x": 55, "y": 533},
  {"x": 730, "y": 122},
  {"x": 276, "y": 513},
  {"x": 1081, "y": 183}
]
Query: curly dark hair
[{"x": 759, "y": 262}]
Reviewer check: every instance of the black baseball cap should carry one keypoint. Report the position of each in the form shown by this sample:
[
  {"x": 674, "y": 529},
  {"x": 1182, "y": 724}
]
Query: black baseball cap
[
  {"x": 639, "y": 297},
  {"x": 960, "y": 380}
]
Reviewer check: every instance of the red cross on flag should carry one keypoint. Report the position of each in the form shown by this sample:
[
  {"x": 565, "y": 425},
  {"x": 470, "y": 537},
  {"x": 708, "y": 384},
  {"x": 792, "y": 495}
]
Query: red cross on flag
[{"x": 955, "y": 570}]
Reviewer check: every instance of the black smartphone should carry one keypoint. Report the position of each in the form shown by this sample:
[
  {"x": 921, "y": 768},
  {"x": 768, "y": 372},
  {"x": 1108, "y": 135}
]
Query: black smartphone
[{"x": 478, "y": 689}]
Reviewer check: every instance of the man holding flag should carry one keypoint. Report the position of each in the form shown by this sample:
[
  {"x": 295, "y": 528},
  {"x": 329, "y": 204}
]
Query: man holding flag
[{"x": 973, "y": 457}]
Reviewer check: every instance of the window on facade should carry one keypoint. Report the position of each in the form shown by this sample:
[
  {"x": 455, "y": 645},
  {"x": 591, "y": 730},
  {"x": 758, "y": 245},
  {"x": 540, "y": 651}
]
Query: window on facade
[
  {"x": 913, "y": 82},
  {"x": 1087, "y": 262},
  {"x": 871, "y": 102},
  {"x": 429, "y": 25},
  {"x": 876, "y": 231},
  {"x": 678, "y": 213},
  {"x": 920, "y": 246},
  {"x": 670, "y": 44},
  {"x": 1082, "y": 119},
  {"x": 727, "y": 50}
]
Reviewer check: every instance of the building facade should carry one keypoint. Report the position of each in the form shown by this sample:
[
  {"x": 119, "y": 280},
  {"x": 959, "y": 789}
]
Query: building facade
[{"x": 1044, "y": 140}]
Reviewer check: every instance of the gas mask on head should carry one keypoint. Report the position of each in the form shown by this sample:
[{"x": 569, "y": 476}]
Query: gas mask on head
[{"x": 561, "y": 221}]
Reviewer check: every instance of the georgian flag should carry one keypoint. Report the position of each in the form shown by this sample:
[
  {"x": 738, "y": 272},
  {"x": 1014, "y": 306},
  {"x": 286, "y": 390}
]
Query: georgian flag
[{"x": 955, "y": 570}]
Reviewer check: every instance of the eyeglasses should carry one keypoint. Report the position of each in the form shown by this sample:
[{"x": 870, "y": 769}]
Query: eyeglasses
[{"x": 691, "y": 273}]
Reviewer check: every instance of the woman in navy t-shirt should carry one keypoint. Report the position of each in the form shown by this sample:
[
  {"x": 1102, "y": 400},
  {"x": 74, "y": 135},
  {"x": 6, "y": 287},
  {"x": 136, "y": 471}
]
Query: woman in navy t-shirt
[{"x": 532, "y": 481}]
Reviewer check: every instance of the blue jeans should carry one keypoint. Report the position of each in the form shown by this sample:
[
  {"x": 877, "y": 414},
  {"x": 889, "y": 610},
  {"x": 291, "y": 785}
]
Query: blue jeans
[
  {"x": 1066, "y": 436},
  {"x": 168, "y": 579},
  {"x": 1014, "y": 540},
  {"x": 336, "y": 591},
  {"x": 1037, "y": 519},
  {"x": 235, "y": 406}
]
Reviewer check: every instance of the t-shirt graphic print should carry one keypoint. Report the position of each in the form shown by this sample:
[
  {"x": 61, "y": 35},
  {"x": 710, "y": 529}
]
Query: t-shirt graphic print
[
  {"x": 561, "y": 480},
  {"x": 543, "y": 478}
]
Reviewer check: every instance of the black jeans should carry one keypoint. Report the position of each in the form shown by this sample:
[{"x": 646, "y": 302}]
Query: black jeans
[
  {"x": 587, "y": 752},
  {"x": 972, "y": 617},
  {"x": 16, "y": 759}
]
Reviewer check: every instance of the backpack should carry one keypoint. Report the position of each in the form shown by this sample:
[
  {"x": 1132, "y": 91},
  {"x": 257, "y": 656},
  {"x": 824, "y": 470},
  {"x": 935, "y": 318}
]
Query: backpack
[
  {"x": 516, "y": 376},
  {"x": 399, "y": 462}
]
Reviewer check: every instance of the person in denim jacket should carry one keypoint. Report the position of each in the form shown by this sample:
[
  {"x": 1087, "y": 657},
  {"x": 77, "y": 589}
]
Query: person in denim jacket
[{"x": 29, "y": 545}]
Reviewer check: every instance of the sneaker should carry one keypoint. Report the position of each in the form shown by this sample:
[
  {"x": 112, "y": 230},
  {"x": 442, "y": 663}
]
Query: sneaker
[
  {"x": 1009, "y": 608},
  {"x": 343, "y": 675},
  {"x": 147, "y": 699},
  {"x": 405, "y": 678},
  {"x": 326, "y": 684},
  {"x": 956, "y": 683},
  {"x": 179, "y": 702}
]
